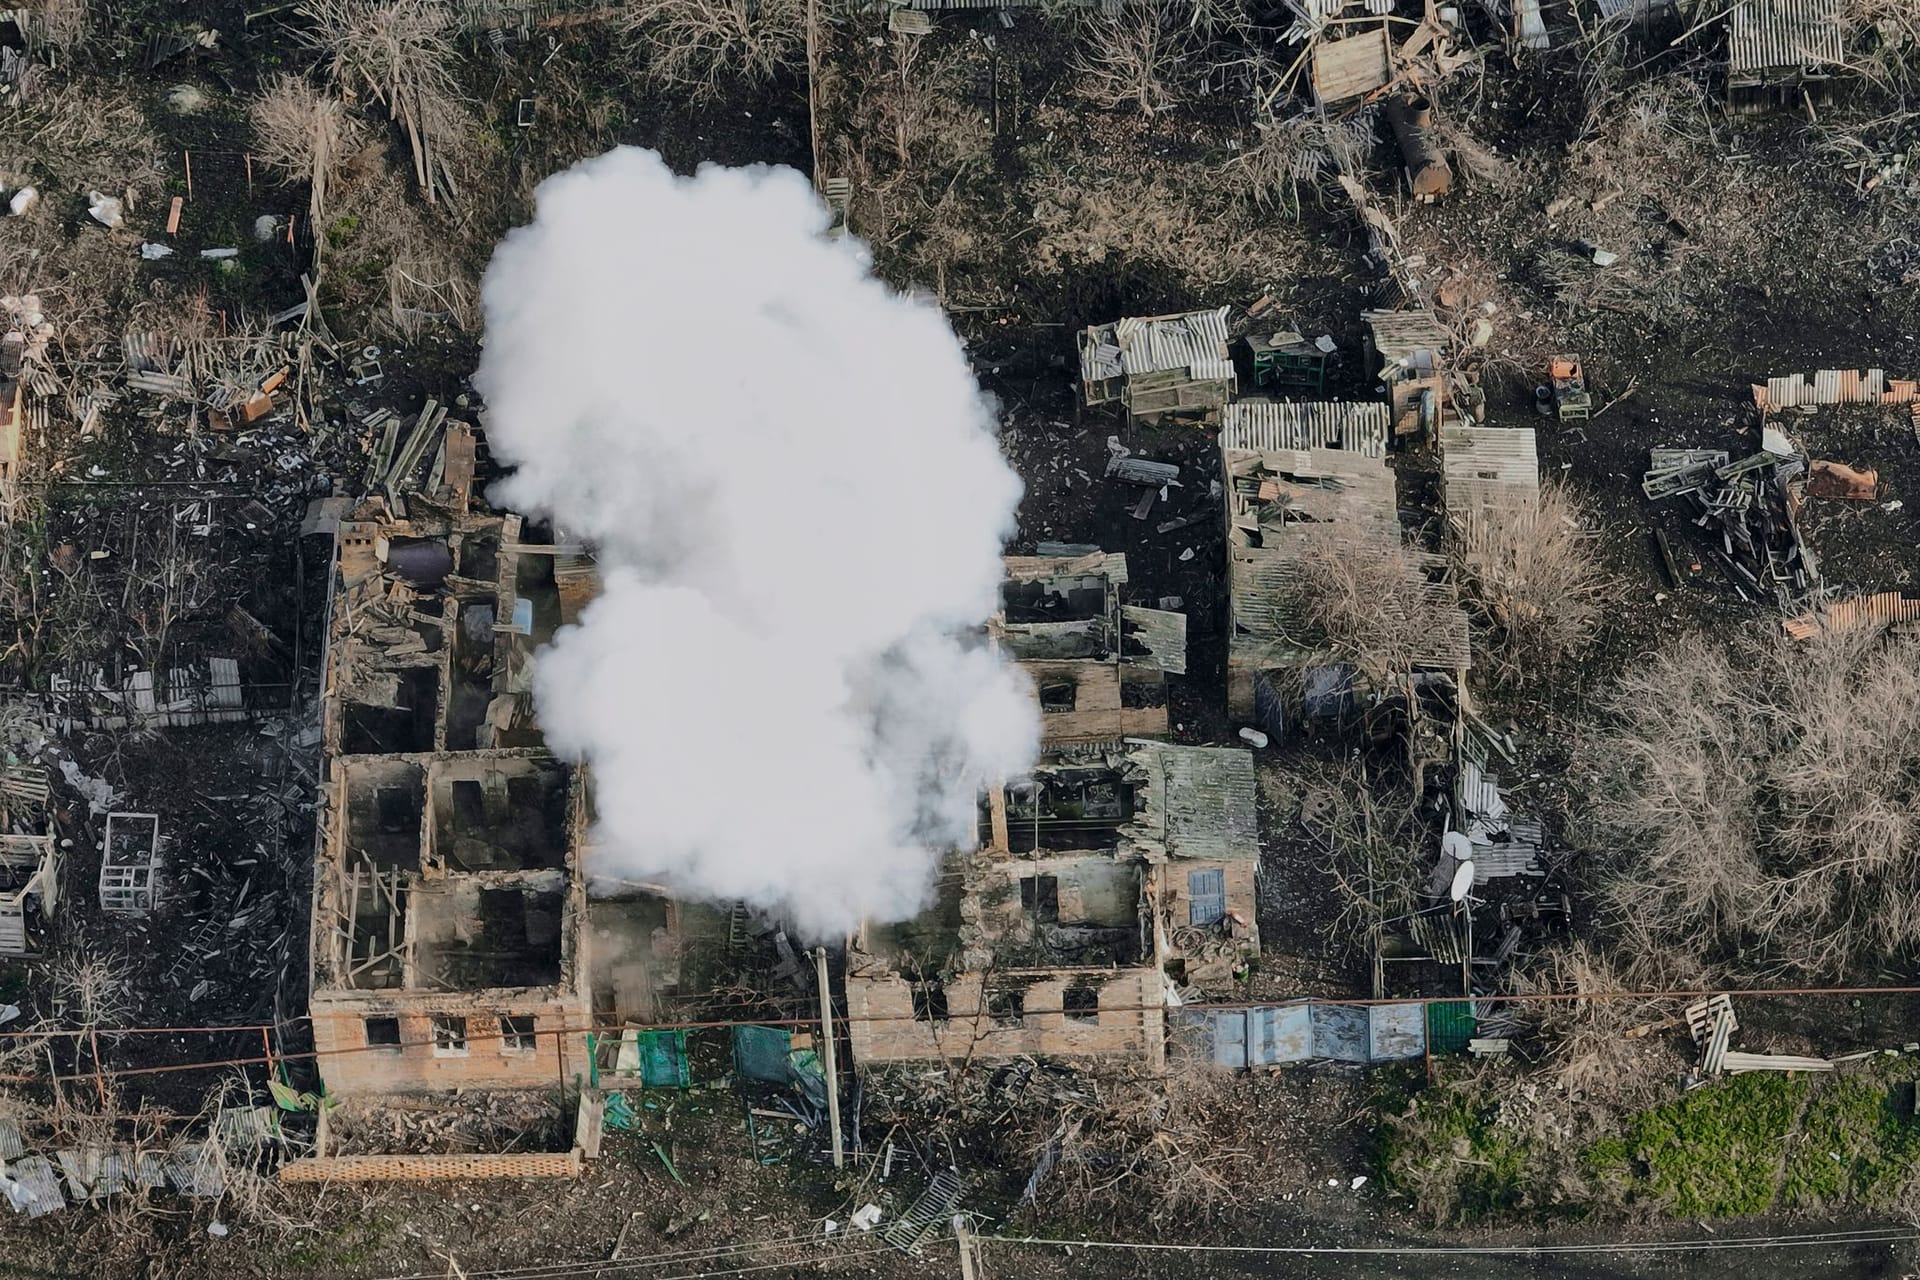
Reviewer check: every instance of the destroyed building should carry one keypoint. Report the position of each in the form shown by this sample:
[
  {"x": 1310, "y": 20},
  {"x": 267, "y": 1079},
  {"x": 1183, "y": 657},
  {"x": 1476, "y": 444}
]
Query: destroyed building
[
  {"x": 1159, "y": 366},
  {"x": 1098, "y": 666},
  {"x": 1311, "y": 480},
  {"x": 448, "y": 896},
  {"x": 1107, "y": 880},
  {"x": 1406, "y": 351}
]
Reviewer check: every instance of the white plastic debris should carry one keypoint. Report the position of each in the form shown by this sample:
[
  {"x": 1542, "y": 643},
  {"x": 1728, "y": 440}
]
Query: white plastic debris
[
  {"x": 1187, "y": 554},
  {"x": 1253, "y": 736},
  {"x": 97, "y": 792},
  {"x": 154, "y": 252},
  {"x": 22, "y": 200},
  {"x": 8, "y": 1012},
  {"x": 216, "y": 1229},
  {"x": 1895, "y": 505},
  {"x": 219, "y": 253},
  {"x": 1357, "y": 1183},
  {"x": 106, "y": 210},
  {"x": 832, "y": 1226},
  {"x": 1605, "y": 257},
  {"x": 1482, "y": 332},
  {"x": 264, "y": 227},
  {"x": 1326, "y": 343},
  {"x": 866, "y": 1216},
  {"x": 1333, "y": 1182}
]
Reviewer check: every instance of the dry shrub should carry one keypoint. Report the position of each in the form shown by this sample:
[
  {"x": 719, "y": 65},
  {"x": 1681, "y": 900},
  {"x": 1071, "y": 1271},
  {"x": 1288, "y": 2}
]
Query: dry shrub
[
  {"x": 1372, "y": 604},
  {"x": 1121, "y": 1138},
  {"x": 1889, "y": 55},
  {"x": 400, "y": 52},
  {"x": 1178, "y": 220},
  {"x": 1134, "y": 58},
  {"x": 1764, "y": 797},
  {"x": 55, "y": 24},
  {"x": 697, "y": 45},
  {"x": 1288, "y": 157},
  {"x": 1587, "y": 1050},
  {"x": 304, "y": 135},
  {"x": 394, "y": 261},
  {"x": 93, "y": 988},
  {"x": 1530, "y": 571}
]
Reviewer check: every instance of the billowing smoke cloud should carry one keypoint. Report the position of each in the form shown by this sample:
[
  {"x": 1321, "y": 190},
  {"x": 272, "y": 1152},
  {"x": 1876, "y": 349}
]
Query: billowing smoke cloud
[{"x": 799, "y": 506}]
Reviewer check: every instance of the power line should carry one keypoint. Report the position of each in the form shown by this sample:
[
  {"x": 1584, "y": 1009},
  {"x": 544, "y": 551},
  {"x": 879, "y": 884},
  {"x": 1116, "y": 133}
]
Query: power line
[
  {"x": 1700, "y": 1245},
  {"x": 616, "y": 1025},
  {"x": 590, "y": 1268},
  {"x": 670, "y": 1257}
]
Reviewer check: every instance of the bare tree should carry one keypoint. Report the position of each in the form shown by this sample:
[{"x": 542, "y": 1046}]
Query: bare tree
[
  {"x": 1373, "y": 604},
  {"x": 1529, "y": 569},
  {"x": 1766, "y": 801},
  {"x": 697, "y": 44}
]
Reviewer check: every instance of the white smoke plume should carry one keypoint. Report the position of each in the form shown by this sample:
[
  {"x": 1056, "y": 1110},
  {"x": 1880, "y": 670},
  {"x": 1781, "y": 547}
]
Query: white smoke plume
[{"x": 793, "y": 485}]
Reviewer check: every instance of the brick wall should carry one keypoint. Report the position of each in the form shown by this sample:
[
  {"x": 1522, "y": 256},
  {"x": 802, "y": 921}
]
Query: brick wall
[
  {"x": 883, "y": 1029},
  {"x": 349, "y": 1065}
]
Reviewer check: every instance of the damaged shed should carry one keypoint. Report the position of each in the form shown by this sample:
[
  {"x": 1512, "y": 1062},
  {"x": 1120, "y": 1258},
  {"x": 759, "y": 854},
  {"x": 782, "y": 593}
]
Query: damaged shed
[
  {"x": 1157, "y": 366},
  {"x": 1285, "y": 508}
]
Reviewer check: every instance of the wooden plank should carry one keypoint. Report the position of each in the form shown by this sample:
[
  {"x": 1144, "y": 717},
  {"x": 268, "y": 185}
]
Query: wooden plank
[{"x": 173, "y": 215}]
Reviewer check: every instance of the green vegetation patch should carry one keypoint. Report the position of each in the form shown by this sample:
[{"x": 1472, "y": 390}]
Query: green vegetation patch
[
  {"x": 1737, "y": 1147},
  {"x": 1717, "y": 1151},
  {"x": 1858, "y": 1143}
]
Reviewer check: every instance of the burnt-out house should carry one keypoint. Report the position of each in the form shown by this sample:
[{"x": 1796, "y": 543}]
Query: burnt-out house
[
  {"x": 449, "y": 896},
  {"x": 1107, "y": 881},
  {"x": 1098, "y": 666},
  {"x": 1290, "y": 511}
]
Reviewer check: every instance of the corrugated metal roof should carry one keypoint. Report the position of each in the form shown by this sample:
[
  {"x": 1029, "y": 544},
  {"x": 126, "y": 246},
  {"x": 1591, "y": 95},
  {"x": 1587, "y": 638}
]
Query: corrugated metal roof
[
  {"x": 1198, "y": 802},
  {"x": 1351, "y": 67},
  {"x": 1487, "y": 466},
  {"x": 1195, "y": 341},
  {"x": 1401, "y": 335},
  {"x": 1113, "y": 564},
  {"x": 1161, "y": 632},
  {"x": 1267, "y": 426},
  {"x": 1785, "y": 35}
]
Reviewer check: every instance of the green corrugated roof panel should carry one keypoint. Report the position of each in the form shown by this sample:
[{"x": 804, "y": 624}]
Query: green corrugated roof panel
[{"x": 1450, "y": 1024}]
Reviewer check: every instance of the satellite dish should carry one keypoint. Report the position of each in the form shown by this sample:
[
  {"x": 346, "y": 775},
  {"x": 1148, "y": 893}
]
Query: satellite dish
[
  {"x": 1457, "y": 846},
  {"x": 1462, "y": 881}
]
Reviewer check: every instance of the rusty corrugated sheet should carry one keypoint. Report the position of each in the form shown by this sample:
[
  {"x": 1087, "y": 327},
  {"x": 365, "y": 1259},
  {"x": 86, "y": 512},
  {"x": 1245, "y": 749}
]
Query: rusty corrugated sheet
[
  {"x": 1834, "y": 386},
  {"x": 1881, "y": 610}
]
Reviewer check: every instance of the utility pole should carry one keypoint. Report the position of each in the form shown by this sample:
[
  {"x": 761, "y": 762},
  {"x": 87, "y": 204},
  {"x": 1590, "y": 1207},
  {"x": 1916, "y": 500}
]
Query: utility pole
[{"x": 829, "y": 1055}]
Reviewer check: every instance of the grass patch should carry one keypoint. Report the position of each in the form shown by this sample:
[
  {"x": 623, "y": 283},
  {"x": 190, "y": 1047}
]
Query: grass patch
[
  {"x": 1858, "y": 1144},
  {"x": 1450, "y": 1153},
  {"x": 1733, "y": 1148},
  {"x": 1716, "y": 1152}
]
